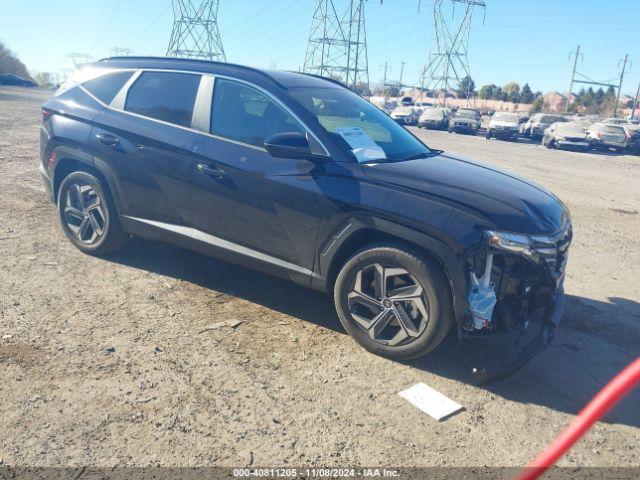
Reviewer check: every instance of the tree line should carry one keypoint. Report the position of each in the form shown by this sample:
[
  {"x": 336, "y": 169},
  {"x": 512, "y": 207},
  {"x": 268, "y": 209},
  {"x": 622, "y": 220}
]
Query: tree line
[{"x": 9, "y": 63}]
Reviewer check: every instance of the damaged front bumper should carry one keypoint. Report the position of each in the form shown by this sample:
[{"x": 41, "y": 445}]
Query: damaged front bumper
[{"x": 522, "y": 277}]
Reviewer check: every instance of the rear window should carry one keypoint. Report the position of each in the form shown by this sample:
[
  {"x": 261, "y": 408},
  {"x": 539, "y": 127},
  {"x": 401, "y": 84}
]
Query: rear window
[
  {"x": 165, "y": 96},
  {"x": 105, "y": 88},
  {"x": 612, "y": 129},
  {"x": 551, "y": 119}
]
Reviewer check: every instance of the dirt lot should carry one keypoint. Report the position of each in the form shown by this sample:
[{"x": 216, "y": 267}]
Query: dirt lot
[{"x": 104, "y": 361}]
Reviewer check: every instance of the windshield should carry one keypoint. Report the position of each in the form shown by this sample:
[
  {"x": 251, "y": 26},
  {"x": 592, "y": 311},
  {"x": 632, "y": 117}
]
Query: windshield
[
  {"x": 506, "y": 117},
  {"x": 612, "y": 129},
  {"x": 466, "y": 114},
  {"x": 433, "y": 113},
  {"x": 570, "y": 127},
  {"x": 338, "y": 110},
  {"x": 551, "y": 119}
]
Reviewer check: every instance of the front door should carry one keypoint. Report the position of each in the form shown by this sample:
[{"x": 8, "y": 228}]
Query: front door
[{"x": 242, "y": 194}]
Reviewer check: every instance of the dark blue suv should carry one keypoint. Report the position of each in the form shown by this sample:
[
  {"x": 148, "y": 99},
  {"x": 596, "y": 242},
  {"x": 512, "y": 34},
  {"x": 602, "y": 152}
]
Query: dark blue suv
[{"x": 298, "y": 176}]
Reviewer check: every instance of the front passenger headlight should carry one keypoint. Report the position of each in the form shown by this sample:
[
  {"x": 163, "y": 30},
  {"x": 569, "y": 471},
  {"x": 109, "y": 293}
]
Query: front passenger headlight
[{"x": 510, "y": 242}]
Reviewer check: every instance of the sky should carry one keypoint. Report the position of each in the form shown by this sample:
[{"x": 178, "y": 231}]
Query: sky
[{"x": 517, "y": 40}]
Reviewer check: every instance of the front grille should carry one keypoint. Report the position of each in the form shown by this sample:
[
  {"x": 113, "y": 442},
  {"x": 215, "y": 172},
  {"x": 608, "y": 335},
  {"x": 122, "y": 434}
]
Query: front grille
[{"x": 553, "y": 250}]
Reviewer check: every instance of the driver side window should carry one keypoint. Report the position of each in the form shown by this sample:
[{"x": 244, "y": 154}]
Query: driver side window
[{"x": 246, "y": 115}]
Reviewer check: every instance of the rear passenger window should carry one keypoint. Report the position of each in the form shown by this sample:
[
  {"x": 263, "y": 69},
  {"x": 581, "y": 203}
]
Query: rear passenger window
[
  {"x": 106, "y": 87},
  {"x": 247, "y": 115},
  {"x": 165, "y": 96}
]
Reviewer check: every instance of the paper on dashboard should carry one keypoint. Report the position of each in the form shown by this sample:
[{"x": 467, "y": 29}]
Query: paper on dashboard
[{"x": 362, "y": 146}]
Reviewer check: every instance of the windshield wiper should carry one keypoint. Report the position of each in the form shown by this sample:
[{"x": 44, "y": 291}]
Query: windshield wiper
[{"x": 417, "y": 156}]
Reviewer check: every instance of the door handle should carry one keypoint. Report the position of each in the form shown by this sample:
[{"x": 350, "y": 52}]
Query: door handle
[
  {"x": 213, "y": 172},
  {"x": 108, "y": 140}
]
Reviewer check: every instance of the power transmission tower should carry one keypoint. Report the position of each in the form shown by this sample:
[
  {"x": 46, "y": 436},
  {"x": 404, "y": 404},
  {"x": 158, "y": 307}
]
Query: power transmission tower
[
  {"x": 337, "y": 46},
  {"x": 120, "y": 52},
  {"x": 402, "y": 64},
  {"x": 195, "y": 31},
  {"x": 448, "y": 62},
  {"x": 573, "y": 75},
  {"x": 624, "y": 62},
  {"x": 79, "y": 58}
]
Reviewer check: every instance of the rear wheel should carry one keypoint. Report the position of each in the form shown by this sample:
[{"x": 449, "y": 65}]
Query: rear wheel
[
  {"x": 393, "y": 301},
  {"x": 88, "y": 216}
]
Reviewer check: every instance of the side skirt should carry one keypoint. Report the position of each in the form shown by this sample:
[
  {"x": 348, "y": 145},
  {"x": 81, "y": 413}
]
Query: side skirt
[{"x": 199, "y": 241}]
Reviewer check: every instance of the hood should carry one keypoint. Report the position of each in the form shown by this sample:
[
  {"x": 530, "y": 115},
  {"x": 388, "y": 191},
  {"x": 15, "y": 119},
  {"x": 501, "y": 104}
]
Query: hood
[{"x": 511, "y": 203}]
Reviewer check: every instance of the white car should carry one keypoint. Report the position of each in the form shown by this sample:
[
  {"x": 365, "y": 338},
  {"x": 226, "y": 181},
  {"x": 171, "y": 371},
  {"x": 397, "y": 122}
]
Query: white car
[
  {"x": 405, "y": 115},
  {"x": 504, "y": 125}
]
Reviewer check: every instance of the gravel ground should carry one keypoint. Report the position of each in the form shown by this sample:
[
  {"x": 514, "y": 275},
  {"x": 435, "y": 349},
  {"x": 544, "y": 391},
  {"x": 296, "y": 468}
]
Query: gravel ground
[{"x": 107, "y": 362}]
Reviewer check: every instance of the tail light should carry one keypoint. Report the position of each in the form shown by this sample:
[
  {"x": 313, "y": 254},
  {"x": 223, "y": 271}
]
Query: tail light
[{"x": 46, "y": 115}]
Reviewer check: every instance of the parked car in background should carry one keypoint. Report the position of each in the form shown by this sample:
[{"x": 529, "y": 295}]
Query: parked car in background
[
  {"x": 603, "y": 136},
  {"x": 569, "y": 135},
  {"x": 435, "y": 118},
  {"x": 405, "y": 115},
  {"x": 406, "y": 101},
  {"x": 537, "y": 124},
  {"x": 465, "y": 120},
  {"x": 616, "y": 121},
  {"x": 504, "y": 125},
  {"x": 13, "y": 80}
]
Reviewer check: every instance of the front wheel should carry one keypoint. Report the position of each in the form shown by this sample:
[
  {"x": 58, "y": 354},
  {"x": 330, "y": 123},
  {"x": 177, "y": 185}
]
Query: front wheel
[
  {"x": 88, "y": 216},
  {"x": 393, "y": 301}
]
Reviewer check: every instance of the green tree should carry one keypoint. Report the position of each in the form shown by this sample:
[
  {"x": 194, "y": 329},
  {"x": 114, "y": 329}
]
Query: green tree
[
  {"x": 537, "y": 105},
  {"x": 44, "y": 79},
  {"x": 9, "y": 63},
  {"x": 526, "y": 95},
  {"x": 466, "y": 87},
  {"x": 511, "y": 92}
]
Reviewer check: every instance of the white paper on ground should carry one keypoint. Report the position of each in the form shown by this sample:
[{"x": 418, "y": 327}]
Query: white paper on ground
[
  {"x": 430, "y": 401},
  {"x": 362, "y": 146}
]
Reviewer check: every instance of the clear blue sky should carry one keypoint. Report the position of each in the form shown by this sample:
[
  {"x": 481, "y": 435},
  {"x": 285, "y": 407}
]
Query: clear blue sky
[{"x": 520, "y": 40}]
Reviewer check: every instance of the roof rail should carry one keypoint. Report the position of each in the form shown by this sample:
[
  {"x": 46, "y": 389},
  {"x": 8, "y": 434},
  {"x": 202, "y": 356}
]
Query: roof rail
[
  {"x": 190, "y": 60},
  {"x": 328, "y": 79}
]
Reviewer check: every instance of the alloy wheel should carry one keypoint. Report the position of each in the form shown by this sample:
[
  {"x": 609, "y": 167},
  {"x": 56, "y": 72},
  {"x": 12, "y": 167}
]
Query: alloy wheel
[
  {"x": 83, "y": 213},
  {"x": 389, "y": 303}
]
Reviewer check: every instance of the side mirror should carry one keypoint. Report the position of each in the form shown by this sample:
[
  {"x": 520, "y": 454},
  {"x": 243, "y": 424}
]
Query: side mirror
[{"x": 288, "y": 145}]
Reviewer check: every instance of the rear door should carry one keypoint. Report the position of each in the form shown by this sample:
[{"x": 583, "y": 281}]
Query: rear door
[{"x": 146, "y": 138}]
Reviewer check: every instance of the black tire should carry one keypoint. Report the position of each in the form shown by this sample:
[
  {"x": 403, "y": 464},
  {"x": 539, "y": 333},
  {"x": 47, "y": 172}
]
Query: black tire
[
  {"x": 488, "y": 135},
  {"x": 421, "y": 270},
  {"x": 104, "y": 223}
]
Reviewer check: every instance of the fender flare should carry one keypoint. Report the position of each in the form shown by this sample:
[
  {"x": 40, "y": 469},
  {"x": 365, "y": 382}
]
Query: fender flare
[
  {"x": 64, "y": 152},
  {"x": 451, "y": 262}
]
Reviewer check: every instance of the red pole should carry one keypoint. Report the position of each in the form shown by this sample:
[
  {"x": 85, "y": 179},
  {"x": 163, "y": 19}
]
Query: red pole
[{"x": 598, "y": 407}]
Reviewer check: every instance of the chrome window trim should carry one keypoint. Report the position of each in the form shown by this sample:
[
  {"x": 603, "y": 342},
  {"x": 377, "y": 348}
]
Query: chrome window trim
[
  {"x": 212, "y": 240},
  {"x": 119, "y": 100},
  {"x": 139, "y": 71}
]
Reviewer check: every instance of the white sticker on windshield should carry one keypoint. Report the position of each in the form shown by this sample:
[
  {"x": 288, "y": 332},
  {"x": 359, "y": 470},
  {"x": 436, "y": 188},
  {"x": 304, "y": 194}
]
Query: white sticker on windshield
[{"x": 362, "y": 146}]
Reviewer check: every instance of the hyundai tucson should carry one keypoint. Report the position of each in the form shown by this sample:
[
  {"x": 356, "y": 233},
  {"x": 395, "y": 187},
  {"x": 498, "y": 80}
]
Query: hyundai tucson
[{"x": 299, "y": 177}]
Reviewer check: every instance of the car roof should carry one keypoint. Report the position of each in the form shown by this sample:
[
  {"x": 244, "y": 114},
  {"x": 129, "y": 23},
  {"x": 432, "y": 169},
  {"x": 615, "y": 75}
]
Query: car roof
[{"x": 283, "y": 79}]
